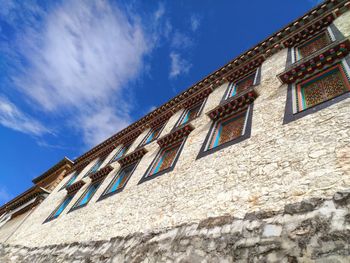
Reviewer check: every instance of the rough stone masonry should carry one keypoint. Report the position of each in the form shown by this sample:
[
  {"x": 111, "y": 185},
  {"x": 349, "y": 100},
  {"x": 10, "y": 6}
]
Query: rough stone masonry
[{"x": 314, "y": 230}]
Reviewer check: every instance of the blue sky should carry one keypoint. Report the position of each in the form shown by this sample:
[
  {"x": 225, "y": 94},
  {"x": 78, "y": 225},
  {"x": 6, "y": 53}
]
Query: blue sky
[{"x": 73, "y": 73}]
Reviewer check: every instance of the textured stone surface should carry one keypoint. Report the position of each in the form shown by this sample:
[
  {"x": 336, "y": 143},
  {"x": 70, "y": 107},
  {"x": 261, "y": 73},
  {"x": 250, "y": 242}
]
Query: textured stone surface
[
  {"x": 254, "y": 179},
  {"x": 305, "y": 236}
]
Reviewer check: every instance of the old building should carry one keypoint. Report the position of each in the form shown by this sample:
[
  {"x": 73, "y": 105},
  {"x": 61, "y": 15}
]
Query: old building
[{"x": 253, "y": 161}]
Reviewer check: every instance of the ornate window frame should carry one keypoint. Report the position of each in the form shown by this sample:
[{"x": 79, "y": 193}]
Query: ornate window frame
[
  {"x": 175, "y": 139},
  {"x": 232, "y": 85},
  {"x": 151, "y": 132},
  {"x": 74, "y": 175},
  {"x": 65, "y": 202},
  {"x": 132, "y": 159},
  {"x": 305, "y": 70},
  {"x": 234, "y": 107},
  {"x": 77, "y": 205},
  {"x": 200, "y": 105}
]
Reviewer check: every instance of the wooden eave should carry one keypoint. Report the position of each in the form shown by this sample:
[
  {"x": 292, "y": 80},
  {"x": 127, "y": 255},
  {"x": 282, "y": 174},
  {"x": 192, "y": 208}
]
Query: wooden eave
[
  {"x": 73, "y": 188},
  {"x": 234, "y": 104},
  {"x": 65, "y": 163},
  {"x": 23, "y": 198},
  {"x": 272, "y": 44},
  {"x": 132, "y": 157},
  {"x": 175, "y": 136},
  {"x": 100, "y": 174},
  {"x": 321, "y": 58}
]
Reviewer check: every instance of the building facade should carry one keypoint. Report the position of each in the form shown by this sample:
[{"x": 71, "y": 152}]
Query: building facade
[{"x": 268, "y": 130}]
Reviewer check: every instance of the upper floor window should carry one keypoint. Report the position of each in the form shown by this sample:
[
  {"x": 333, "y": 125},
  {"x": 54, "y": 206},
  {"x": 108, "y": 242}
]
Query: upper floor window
[
  {"x": 321, "y": 87},
  {"x": 120, "y": 180},
  {"x": 312, "y": 45},
  {"x": 191, "y": 113},
  {"x": 95, "y": 167},
  {"x": 238, "y": 87},
  {"x": 120, "y": 153},
  {"x": 171, "y": 146},
  {"x": 87, "y": 195},
  {"x": 71, "y": 180},
  {"x": 152, "y": 134},
  {"x": 59, "y": 209}
]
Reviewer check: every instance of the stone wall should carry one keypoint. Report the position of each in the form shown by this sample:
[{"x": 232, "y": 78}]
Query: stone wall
[
  {"x": 315, "y": 230},
  {"x": 277, "y": 165}
]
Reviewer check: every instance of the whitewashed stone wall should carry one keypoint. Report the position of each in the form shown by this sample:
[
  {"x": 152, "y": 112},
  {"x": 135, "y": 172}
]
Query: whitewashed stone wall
[{"x": 277, "y": 165}]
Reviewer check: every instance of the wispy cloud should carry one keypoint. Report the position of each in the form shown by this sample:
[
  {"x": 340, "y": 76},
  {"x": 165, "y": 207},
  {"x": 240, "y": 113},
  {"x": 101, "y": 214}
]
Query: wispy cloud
[
  {"x": 178, "y": 65},
  {"x": 5, "y": 196},
  {"x": 181, "y": 41},
  {"x": 78, "y": 59},
  {"x": 195, "y": 22},
  {"x": 13, "y": 118}
]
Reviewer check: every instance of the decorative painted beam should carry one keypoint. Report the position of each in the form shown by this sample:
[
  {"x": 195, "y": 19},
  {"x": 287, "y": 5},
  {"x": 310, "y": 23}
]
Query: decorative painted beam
[
  {"x": 100, "y": 174},
  {"x": 73, "y": 188},
  {"x": 234, "y": 104},
  {"x": 316, "y": 61},
  {"x": 175, "y": 136},
  {"x": 132, "y": 157}
]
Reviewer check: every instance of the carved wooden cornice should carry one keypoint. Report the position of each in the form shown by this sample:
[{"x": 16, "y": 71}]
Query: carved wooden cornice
[
  {"x": 100, "y": 174},
  {"x": 25, "y": 197},
  {"x": 318, "y": 60},
  {"x": 261, "y": 51},
  {"x": 160, "y": 121},
  {"x": 234, "y": 104},
  {"x": 245, "y": 70},
  {"x": 73, "y": 188},
  {"x": 132, "y": 157},
  {"x": 309, "y": 31},
  {"x": 65, "y": 163},
  {"x": 175, "y": 136},
  {"x": 197, "y": 97}
]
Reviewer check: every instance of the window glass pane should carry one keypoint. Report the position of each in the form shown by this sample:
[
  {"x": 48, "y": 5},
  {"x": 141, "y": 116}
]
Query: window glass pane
[
  {"x": 121, "y": 178},
  {"x": 322, "y": 87},
  {"x": 62, "y": 206},
  {"x": 227, "y": 130},
  {"x": 88, "y": 194},
  {"x": 313, "y": 45},
  {"x": 242, "y": 85},
  {"x": 165, "y": 159},
  {"x": 191, "y": 113},
  {"x": 72, "y": 179}
]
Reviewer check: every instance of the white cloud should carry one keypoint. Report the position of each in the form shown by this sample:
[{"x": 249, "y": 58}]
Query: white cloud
[
  {"x": 5, "y": 196},
  {"x": 181, "y": 41},
  {"x": 79, "y": 62},
  {"x": 195, "y": 22},
  {"x": 159, "y": 12},
  {"x": 11, "y": 117},
  {"x": 178, "y": 65}
]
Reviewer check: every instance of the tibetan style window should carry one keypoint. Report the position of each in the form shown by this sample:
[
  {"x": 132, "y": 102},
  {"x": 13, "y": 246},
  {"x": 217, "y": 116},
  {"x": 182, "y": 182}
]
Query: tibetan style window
[
  {"x": 59, "y": 209},
  {"x": 235, "y": 88},
  {"x": 190, "y": 113},
  {"x": 152, "y": 134},
  {"x": 312, "y": 45},
  {"x": 231, "y": 123},
  {"x": 128, "y": 166},
  {"x": 95, "y": 167},
  {"x": 120, "y": 153},
  {"x": 318, "y": 83},
  {"x": 71, "y": 180},
  {"x": 170, "y": 149},
  {"x": 87, "y": 195}
]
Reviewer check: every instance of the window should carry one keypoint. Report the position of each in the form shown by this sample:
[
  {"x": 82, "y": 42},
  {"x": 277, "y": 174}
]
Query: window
[
  {"x": 119, "y": 181},
  {"x": 190, "y": 113},
  {"x": 228, "y": 130},
  {"x": 56, "y": 213},
  {"x": 120, "y": 153},
  {"x": 153, "y": 134},
  {"x": 71, "y": 180},
  {"x": 237, "y": 88},
  {"x": 314, "y": 44},
  {"x": 165, "y": 161},
  {"x": 95, "y": 167},
  {"x": 321, "y": 87},
  {"x": 317, "y": 91},
  {"x": 87, "y": 195}
]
